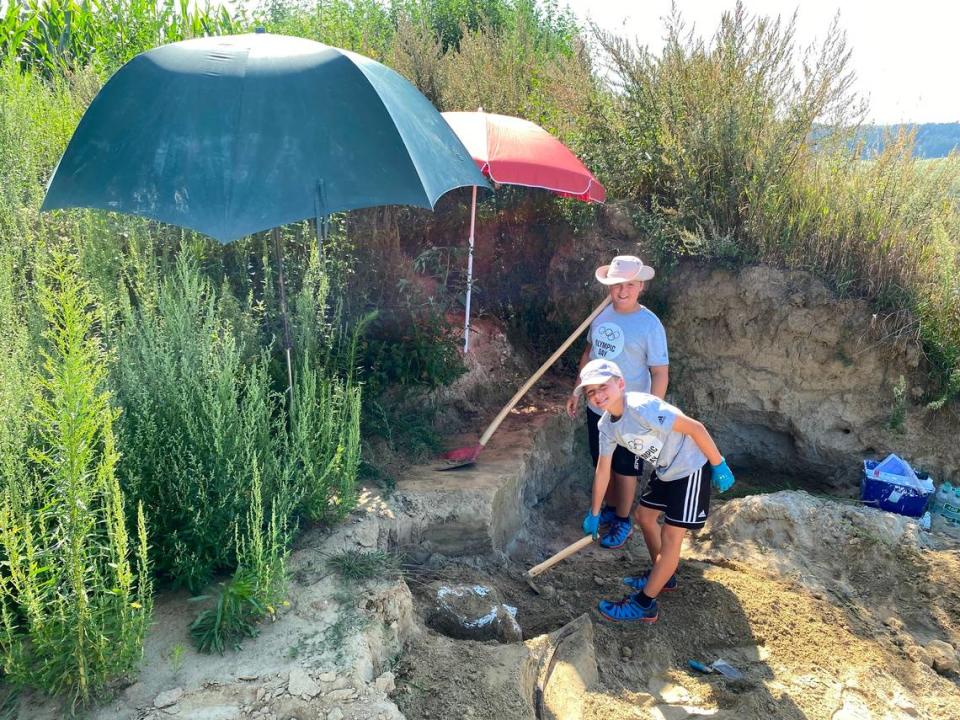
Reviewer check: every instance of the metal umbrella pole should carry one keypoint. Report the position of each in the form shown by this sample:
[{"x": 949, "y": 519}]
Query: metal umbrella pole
[
  {"x": 466, "y": 318},
  {"x": 288, "y": 344}
]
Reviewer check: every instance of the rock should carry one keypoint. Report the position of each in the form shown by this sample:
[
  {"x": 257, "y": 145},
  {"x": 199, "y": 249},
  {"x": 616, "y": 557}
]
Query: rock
[
  {"x": 168, "y": 698},
  {"x": 946, "y": 666},
  {"x": 419, "y": 557},
  {"x": 626, "y": 651},
  {"x": 893, "y": 623},
  {"x": 341, "y": 695},
  {"x": 548, "y": 591},
  {"x": 335, "y": 714},
  {"x": 919, "y": 655},
  {"x": 328, "y": 677},
  {"x": 473, "y": 612},
  {"x": 216, "y": 712},
  {"x": 301, "y": 684},
  {"x": 598, "y": 580},
  {"x": 904, "y": 705},
  {"x": 669, "y": 692},
  {"x": 572, "y": 666},
  {"x": 943, "y": 657},
  {"x": 386, "y": 683}
]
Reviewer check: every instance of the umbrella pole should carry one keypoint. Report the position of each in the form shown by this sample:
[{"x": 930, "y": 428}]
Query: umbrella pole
[
  {"x": 283, "y": 311},
  {"x": 466, "y": 317}
]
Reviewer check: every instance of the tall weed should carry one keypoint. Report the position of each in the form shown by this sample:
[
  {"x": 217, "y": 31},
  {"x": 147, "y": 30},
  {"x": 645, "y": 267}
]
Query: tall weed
[{"x": 75, "y": 595}]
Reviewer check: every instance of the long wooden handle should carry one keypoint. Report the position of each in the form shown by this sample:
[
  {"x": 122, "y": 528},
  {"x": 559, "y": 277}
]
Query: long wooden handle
[
  {"x": 543, "y": 368},
  {"x": 565, "y": 553}
]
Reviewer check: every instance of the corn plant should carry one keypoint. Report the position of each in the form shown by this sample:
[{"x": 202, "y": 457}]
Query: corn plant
[
  {"x": 75, "y": 595},
  {"x": 58, "y": 36}
]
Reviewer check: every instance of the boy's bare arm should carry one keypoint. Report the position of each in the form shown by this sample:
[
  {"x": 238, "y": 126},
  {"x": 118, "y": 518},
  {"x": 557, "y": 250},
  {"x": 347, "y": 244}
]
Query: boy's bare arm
[
  {"x": 659, "y": 379},
  {"x": 699, "y": 434},
  {"x": 600, "y": 481},
  {"x": 574, "y": 401}
]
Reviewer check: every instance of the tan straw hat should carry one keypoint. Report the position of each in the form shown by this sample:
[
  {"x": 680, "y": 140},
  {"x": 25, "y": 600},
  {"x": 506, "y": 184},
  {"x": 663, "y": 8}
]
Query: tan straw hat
[{"x": 624, "y": 268}]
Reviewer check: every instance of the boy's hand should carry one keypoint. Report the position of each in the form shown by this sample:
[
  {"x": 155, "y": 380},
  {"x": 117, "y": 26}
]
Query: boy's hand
[
  {"x": 572, "y": 403},
  {"x": 591, "y": 524},
  {"x": 721, "y": 477}
]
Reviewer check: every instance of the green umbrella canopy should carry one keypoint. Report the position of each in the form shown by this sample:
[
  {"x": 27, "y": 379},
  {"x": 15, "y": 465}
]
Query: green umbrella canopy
[{"x": 236, "y": 134}]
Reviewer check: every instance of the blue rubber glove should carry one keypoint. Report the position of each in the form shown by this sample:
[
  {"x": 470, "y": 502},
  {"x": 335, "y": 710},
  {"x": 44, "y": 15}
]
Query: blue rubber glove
[
  {"x": 591, "y": 524},
  {"x": 721, "y": 477}
]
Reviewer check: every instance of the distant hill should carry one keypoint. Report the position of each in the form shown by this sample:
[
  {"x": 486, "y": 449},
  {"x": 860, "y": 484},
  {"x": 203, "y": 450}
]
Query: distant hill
[{"x": 934, "y": 140}]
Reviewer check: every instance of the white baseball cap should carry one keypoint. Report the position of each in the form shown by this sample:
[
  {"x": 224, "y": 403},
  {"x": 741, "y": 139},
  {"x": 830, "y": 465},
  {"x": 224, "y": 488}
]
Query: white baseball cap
[
  {"x": 597, "y": 372},
  {"x": 624, "y": 268}
]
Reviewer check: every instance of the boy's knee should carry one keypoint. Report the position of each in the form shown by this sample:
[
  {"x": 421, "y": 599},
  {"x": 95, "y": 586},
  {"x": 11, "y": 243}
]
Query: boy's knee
[
  {"x": 647, "y": 517},
  {"x": 672, "y": 535}
]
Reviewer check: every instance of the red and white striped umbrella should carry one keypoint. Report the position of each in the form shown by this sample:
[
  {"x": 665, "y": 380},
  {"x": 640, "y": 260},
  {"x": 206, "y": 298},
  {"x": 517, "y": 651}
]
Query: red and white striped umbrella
[{"x": 513, "y": 151}]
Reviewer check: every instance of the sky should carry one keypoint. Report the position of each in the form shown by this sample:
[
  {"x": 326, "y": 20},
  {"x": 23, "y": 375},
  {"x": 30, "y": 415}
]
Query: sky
[{"x": 906, "y": 55}]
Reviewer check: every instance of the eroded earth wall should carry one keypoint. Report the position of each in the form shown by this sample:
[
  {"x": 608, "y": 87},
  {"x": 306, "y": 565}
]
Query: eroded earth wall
[{"x": 789, "y": 377}]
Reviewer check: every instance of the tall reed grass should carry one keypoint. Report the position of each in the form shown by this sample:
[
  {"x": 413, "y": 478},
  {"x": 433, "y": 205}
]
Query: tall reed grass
[{"x": 728, "y": 151}]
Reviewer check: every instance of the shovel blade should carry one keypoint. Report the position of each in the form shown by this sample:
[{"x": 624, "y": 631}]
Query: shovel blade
[{"x": 460, "y": 457}]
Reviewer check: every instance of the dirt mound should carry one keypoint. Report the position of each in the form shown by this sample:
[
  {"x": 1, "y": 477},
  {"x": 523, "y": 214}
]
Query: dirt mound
[{"x": 877, "y": 565}]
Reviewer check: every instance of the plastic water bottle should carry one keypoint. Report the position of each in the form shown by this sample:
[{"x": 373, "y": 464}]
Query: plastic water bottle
[
  {"x": 943, "y": 497},
  {"x": 950, "y": 504}
]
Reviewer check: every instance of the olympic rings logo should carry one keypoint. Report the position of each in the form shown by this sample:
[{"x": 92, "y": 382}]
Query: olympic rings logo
[{"x": 609, "y": 334}]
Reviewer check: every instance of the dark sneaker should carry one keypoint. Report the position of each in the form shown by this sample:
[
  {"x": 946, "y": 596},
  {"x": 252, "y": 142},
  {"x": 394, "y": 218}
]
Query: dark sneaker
[
  {"x": 618, "y": 534},
  {"x": 628, "y": 610},
  {"x": 640, "y": 582},
  {"x": 608, "y": 516}
]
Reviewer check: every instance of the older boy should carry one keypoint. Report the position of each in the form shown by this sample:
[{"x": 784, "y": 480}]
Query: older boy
[
  {"x": 630, "y": 334},
  {"x": 680, "y": 450}
]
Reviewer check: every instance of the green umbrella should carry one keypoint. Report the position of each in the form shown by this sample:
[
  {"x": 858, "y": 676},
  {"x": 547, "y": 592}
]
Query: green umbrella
[{"x": 235, "y": 134}]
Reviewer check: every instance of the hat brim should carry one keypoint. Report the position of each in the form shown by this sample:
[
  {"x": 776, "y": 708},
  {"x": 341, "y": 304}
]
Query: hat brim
[
  {"x": 645, "y": 273},
  {"x": 578, "y": 390}
]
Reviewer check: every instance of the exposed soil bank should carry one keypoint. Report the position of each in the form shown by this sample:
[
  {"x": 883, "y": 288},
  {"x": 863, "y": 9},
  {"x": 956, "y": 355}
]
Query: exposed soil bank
[{"x": 789, "y": 378}]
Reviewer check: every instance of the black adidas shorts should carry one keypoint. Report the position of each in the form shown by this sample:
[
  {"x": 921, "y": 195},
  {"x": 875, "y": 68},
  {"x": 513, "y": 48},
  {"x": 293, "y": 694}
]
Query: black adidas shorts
[
  {"x": 624, "y": 461},
  {"x": 685, "y": 502}
]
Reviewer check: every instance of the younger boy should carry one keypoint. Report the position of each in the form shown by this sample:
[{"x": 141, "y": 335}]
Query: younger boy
[
  {"x": 630, "y": 334},
  {"x": 680, "y": 450}
]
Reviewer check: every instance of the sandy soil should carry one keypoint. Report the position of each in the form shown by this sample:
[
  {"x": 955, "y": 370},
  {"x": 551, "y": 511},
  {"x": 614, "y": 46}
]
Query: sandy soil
[{"x": 815, "y": 644}]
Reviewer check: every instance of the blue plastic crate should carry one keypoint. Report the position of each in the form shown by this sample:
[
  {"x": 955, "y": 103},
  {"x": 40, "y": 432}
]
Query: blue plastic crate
[{"x": 904, "y": 495}]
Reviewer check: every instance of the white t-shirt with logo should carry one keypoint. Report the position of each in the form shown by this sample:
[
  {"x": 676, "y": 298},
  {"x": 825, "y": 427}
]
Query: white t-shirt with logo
[
  {"x": 635, "y": 341},
  {"x": 646, "y": 429}
]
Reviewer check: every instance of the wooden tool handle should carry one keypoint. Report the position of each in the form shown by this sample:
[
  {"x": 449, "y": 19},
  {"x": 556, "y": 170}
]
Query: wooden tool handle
[
  {"x": 543, "y": 368},
  {"x": 565, "y": 553}
]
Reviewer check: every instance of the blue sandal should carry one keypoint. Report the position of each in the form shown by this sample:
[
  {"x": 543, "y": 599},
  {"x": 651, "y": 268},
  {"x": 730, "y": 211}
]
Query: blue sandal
[
  {"x": 639, "y": 582},
  {"x": 618, "y": 534},
  {"x": 628, "y": 610}
]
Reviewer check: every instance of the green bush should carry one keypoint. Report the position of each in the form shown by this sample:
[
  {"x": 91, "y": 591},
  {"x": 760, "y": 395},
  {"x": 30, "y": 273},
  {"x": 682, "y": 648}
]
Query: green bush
[
  {"x": 197, "y": 420},
  {"x": 75, "y": 595}
]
